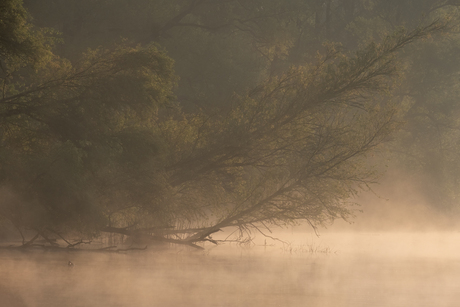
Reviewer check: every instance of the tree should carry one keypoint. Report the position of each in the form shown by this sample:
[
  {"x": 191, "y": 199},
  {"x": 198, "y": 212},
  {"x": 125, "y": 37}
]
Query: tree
[
  {"x": 95, "y": 143},
  {"x": 71, "y": 134},
  {"x": 21, "y": 42},
  {"x": 293, "y": 149}
]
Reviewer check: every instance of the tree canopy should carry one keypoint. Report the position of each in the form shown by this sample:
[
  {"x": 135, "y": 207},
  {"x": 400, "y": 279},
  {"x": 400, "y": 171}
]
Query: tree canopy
[{"x": 169, "y": 121}]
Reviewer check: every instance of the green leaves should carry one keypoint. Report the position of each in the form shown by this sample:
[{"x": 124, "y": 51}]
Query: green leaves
[
  {"x": 295, "y": 147},
  {"x": 76, "y": 133},
  {"x": 136, "y": 77},
  {"x": 21, "y": 43},
  {"x": 100, "y": 139}
]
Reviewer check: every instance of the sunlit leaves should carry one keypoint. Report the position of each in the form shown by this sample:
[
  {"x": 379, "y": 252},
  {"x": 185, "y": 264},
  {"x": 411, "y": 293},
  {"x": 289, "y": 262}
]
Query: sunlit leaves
[
  {"x": 293, "y": 148},
  {"x": 21, "y": 42},
  {"x": 74, "y": 134}
]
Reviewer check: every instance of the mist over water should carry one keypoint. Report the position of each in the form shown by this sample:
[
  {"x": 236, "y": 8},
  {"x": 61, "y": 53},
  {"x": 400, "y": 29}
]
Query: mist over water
[
  {"x": 336, "y": 269},
  {"x": 172, "y": 120},
  {"x": 397, "y": 252}
]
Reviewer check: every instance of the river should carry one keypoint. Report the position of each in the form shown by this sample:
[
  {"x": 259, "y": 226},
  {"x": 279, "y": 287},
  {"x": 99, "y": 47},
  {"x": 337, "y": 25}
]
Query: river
[{"x": 334, "y": 270}]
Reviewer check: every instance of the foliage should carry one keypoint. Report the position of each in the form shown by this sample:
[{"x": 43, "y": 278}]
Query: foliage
[
  {"x": 293, "y": 149},
  {"x": 21, "y": 43},
  {"x": 73, "y": 133},
  {"x": 279, "y": 105}
]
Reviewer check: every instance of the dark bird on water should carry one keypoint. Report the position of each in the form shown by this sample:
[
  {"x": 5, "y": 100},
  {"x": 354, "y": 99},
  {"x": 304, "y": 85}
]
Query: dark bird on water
[{"x": 70, "y": 264}]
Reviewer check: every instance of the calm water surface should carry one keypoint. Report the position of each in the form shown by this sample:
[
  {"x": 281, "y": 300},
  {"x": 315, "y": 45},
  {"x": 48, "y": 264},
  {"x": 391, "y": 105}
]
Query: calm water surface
[{"x": 346, "y": 270}]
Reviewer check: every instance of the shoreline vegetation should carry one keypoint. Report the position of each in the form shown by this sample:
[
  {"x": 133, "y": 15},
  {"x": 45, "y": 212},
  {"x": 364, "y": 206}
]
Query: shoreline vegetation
[{"x": 169, "y": 122}]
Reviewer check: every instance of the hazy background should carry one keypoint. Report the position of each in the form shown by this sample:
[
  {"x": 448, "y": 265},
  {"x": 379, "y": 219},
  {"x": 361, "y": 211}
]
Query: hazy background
[
  {"x": 173, "y": 124},
  {"x": 190, "y": 116}
]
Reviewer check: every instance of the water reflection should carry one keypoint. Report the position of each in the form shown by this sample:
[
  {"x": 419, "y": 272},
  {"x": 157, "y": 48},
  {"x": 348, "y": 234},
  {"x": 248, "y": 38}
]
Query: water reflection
[{"x": 363, "y": 270}]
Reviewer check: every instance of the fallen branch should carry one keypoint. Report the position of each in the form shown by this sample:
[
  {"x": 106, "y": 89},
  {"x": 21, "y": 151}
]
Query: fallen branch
[
  {"x": 59, "y": 235},
  {"x": 31, "y": 241},
  {"x": 154, "y": 238},
  {"x": 131, "y": 249},
  {"x": 65, "y": 249},
  {"x": 78, "y": 243}
]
